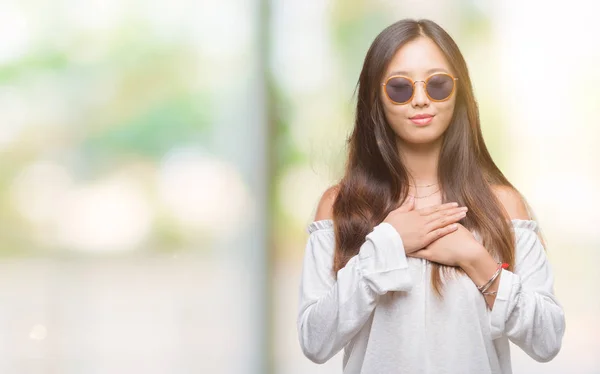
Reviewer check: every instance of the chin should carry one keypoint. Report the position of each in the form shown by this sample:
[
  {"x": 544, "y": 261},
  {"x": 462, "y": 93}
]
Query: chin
[
  {"x": 423, "y": 141},
  {"x": 423, "y": 137}
]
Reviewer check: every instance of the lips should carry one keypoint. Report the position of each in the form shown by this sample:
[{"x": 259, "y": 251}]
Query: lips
[
  {"x": 421, "y": 119},
  {"x": 420, "y": 116}
]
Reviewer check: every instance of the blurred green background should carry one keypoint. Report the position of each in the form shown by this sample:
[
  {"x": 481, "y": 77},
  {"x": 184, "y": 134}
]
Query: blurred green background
[{"x": 161, "y": 160}]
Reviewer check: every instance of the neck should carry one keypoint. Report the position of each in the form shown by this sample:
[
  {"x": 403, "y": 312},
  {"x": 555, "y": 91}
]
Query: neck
[{"x": 421, "y": 161}]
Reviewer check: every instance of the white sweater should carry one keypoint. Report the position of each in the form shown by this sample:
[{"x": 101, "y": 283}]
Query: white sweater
[{"x": 382, "y": 311}]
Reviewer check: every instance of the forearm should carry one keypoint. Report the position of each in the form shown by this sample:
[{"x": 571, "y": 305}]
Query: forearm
[{"x": 480, "y": 268}]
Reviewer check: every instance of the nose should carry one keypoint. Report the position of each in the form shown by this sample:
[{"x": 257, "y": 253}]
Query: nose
[{"x": 420, "y": 98}]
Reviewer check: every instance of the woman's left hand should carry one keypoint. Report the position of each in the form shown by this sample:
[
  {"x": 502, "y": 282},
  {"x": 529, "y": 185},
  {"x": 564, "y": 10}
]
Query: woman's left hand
[{"x": 454, "y": 249}]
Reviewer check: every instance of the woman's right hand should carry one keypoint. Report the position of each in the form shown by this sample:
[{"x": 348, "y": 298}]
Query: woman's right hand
[{"x": 419, "y": 227}]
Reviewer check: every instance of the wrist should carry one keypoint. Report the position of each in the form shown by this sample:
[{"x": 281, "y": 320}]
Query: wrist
[
  {"x": 475, "y": 259},
  {"x": 480, "y": 268}
]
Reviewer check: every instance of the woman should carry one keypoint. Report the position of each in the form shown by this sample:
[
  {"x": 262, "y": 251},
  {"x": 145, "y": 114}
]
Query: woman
[{"x": 423, "y": 258}]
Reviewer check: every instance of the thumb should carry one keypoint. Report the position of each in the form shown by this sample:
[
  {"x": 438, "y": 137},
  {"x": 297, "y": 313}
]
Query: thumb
[{"x": 408, "y": 205}]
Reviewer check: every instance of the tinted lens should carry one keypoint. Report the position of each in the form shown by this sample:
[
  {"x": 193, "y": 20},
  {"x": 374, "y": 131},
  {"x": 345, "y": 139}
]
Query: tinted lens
[
  {"x": 440, "y": 86},
  {"x": 399, "y": 89}
]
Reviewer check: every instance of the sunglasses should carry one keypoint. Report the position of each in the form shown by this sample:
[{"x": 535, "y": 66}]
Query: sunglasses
[{"x": 438, "y": 87}]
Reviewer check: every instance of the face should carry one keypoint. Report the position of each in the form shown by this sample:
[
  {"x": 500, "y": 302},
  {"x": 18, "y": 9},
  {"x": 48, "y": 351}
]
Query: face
[{"x": 417, "y": 60}]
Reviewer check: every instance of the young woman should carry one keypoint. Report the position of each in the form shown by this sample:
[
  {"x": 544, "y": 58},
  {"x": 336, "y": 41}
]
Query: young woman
[{"x": 423, "y": 258}]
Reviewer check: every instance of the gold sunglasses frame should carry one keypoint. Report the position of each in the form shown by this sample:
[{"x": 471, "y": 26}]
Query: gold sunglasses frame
[{"x": 384, "y": 84}]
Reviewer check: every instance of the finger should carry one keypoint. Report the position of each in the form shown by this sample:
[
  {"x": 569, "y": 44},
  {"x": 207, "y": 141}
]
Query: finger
[
  {"x": 408, "y": 204},
  {"x": 445, "y": 213},
  {"x": 438, "y": 233},
  {"x": 445, "y": 220},
  {"x": 437, "y": 208},
  {"x": 421, "y": 253}
]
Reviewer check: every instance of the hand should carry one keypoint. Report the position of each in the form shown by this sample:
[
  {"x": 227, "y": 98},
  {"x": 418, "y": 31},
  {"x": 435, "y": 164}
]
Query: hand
[
  {"x": 455, "y": 249},
  {"x": 418, "y": 228}
]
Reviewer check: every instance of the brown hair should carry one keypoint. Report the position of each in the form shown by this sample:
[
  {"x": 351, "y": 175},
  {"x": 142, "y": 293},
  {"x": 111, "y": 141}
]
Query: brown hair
[{"x": 375, "y": 180}]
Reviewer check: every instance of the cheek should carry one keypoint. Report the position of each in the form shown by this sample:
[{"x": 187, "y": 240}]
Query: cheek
[
  {"x": 445, "y": 112},
  {"x": 397, "y": 119},
  {"x": 395, "y": 114}
]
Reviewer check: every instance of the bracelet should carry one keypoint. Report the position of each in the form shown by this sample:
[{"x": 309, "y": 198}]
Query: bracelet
[
  {"x": 483, "y": 288},
  {"x": 492, "y": 279}
]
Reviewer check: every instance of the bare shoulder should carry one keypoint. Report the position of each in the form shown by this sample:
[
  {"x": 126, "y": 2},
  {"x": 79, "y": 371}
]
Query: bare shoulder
[
  {"x": 512, "y": 201},
  {"x": 325, "y": 207}
]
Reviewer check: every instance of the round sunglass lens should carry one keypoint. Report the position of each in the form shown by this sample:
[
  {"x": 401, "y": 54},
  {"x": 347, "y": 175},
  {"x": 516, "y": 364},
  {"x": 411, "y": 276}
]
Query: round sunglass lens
[
  {"x": 399, "y": 89},
  {"x": 440, "y": 86}
]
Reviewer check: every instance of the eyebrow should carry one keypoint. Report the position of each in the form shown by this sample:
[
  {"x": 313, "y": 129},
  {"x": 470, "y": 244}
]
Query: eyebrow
[{"x": 430, "y": 71}]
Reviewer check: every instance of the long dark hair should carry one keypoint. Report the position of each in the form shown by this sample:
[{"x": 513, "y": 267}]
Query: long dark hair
[{"x": 376, "y": 181}]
